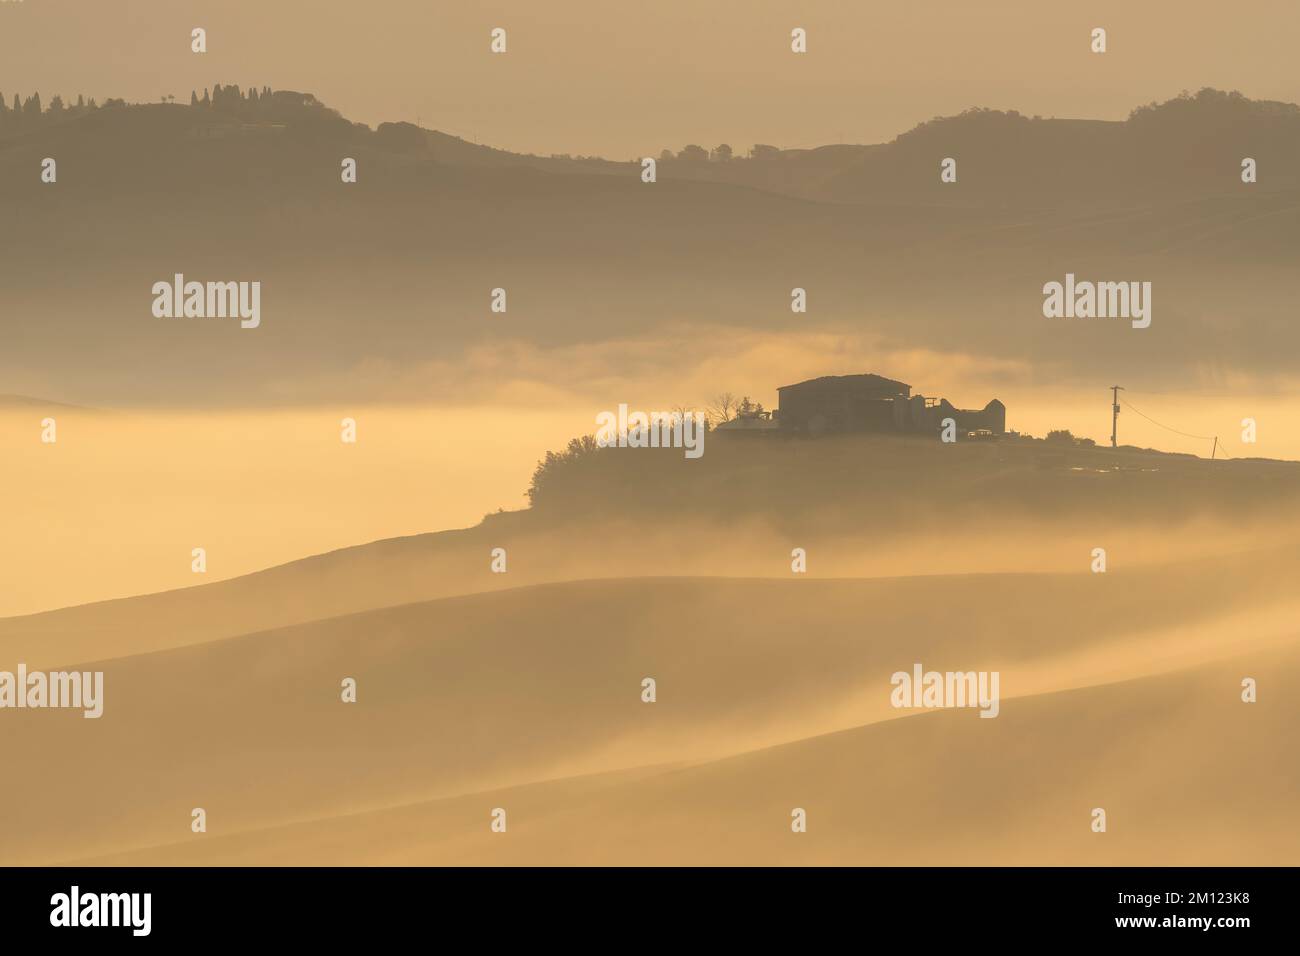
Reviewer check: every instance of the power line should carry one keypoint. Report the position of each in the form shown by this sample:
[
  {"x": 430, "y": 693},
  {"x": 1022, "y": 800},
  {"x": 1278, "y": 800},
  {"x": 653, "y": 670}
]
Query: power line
[{"x": 1164, "y": 426}]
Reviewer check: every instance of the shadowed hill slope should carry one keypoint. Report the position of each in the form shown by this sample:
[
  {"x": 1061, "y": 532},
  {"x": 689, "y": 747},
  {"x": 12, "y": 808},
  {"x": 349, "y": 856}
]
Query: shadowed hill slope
[
  {"x": 490, "y": 692},
  {"x": 1166, "y": 756}
]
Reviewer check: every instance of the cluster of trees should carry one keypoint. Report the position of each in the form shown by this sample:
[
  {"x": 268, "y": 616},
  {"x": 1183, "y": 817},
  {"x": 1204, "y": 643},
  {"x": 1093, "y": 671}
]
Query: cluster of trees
[
  {"x": 725, "y": 406},
  {"x": 568, "y": 472},
  {"x": 980, "y": 116},
  {"x": 249, "y": 104},
  {"x": 19, "y": 113},
  {"x": 557, "y": 464},
  {"x": 302, "y": 111},
  {"x": 1209, "y": 101},
  {"x": 1065, "y": 435},
  {"x": 722, "y": 153}
]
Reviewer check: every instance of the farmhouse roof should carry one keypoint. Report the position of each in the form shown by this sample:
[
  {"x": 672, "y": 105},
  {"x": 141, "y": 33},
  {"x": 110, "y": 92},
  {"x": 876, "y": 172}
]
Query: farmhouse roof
[{"x": 867, "y": 380}]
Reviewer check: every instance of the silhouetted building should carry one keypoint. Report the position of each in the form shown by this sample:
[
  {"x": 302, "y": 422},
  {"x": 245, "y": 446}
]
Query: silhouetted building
[
  {"x": 927, "y": 415},
  {"x": 840, "y": 403},
  {"x": 873, "y": 403}
]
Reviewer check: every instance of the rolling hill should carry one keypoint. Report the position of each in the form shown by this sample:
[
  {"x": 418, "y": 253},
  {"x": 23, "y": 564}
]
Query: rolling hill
[{"x": 396, "y": 269}]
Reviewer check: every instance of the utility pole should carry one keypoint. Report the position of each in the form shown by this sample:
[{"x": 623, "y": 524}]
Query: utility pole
[
  {"x": 1114, "y": 414},
  {"x": 1214, "y": 451}
]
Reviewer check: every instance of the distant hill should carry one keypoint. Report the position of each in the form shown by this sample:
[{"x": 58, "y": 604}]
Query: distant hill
[
  {"x": 394, "y": 271},
  {"x": 1188, "y": 147},
  {"x": 887, "y": 484},
  {"x": 1179, "y": 146},
  {"x": 233, "y": 112}
]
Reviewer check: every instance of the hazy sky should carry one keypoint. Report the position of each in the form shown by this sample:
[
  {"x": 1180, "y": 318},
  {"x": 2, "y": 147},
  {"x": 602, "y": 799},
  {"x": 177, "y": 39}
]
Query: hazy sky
[{"x": 625, "y": 79}]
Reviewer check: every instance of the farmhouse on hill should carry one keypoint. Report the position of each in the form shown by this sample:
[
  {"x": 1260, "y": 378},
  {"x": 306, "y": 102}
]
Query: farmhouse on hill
[{"x": 873, "y": 403}]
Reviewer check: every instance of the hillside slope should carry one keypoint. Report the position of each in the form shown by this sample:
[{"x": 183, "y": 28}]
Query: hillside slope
[
  {"x": 487, "y": 693},
  {"x": 860, "y": 506}
]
